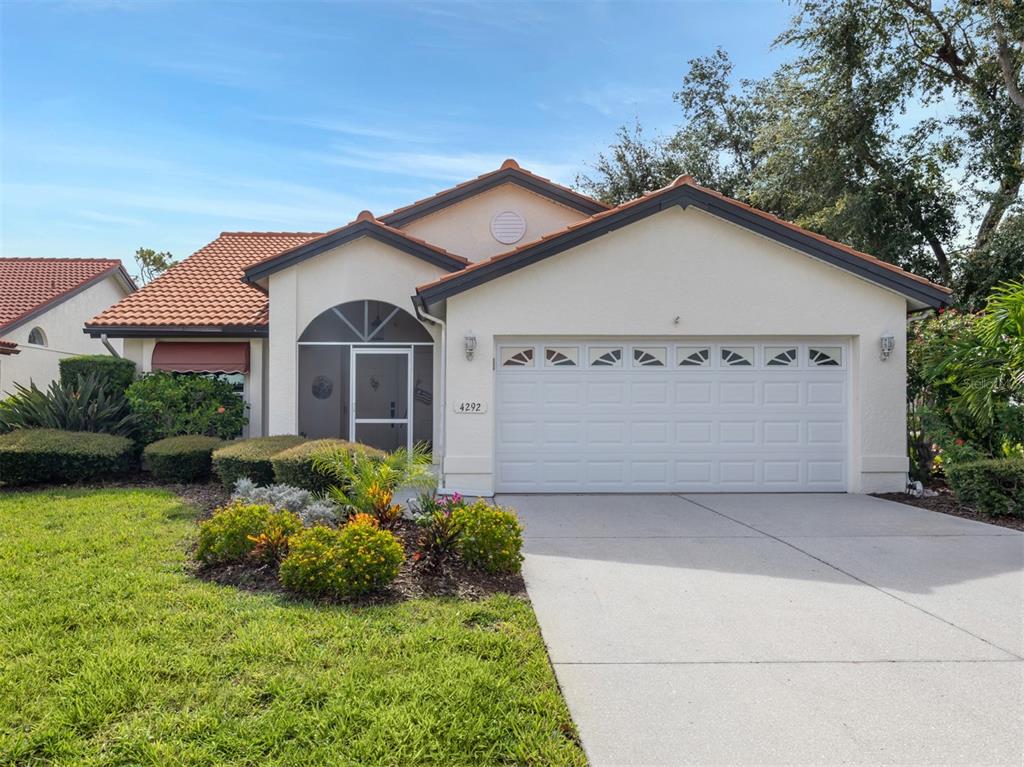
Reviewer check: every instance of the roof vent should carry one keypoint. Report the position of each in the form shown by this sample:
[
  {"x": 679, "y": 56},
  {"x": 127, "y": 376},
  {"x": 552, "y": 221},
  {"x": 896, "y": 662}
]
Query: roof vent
[{"x": 508, "y": 227}]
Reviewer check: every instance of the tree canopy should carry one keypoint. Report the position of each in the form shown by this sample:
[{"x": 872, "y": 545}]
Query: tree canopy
[{"x": 897, "y": 127}]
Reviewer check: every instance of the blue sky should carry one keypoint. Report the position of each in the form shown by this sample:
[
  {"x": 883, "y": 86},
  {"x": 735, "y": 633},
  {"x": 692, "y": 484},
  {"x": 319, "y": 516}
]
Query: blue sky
[{"x": 161, "y": 124}]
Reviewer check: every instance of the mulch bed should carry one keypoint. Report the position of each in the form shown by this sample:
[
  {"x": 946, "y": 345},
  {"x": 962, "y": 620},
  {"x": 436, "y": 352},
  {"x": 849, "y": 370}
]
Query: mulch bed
[
  {"x": 945, "y": 503},
  {"x": 416, "y": 580}
]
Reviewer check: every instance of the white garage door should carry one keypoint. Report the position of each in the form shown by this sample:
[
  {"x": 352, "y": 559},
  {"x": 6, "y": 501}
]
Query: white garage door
[{"x": 650, "y": 416}]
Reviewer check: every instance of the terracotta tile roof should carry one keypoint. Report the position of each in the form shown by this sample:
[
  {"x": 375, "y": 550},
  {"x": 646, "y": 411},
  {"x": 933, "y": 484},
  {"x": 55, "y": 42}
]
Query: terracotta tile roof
[
  {"x": 510, "y": 170},
  {"x": 682, "y": 181},
  {"x": 29, "y": 285},
  {"x": 206, "y": 289},
  {"x": 8, "y": 347}
]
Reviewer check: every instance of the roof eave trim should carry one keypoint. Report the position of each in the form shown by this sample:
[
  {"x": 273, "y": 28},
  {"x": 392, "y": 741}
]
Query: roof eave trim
[
  {"x": 684, "y": 196},
  {"x": 343, "y": 237},
  {"x": 177, "y": 331},
  {"x": 505, "y": 176}
]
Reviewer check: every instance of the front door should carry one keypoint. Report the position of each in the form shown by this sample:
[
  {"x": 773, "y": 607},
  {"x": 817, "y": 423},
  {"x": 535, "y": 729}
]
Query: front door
[{"x": 381, "y": 390}]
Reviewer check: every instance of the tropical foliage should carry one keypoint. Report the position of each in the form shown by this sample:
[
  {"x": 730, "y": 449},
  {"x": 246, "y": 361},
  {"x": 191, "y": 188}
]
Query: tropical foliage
[
  {"x": 86, "y": 405},
  {"x": 366, "y": 482},
  {"x": 966, "y": 384},
  {"x": 169, "y": 404}
]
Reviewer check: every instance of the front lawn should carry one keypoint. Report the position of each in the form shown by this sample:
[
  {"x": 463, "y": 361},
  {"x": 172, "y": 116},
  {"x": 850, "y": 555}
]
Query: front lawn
[{"x": 111, "y": 653}]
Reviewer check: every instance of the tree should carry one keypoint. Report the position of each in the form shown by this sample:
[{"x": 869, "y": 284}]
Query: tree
[
  {"x": 1000, "y": 259},
  {"x": 828, "y": 140},
  {"x": 151, "y": 264}
]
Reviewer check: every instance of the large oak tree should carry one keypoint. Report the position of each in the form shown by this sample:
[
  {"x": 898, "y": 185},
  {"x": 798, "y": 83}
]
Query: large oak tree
[{"x": 898, "y": 127}]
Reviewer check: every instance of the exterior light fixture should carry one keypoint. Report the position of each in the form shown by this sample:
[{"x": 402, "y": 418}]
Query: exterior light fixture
[
  {"x": 469, "y": 344},
  {"x": 888, "y": 344}
]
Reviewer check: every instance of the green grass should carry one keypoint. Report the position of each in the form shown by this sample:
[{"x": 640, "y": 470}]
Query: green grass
[{"x": 110, "y": 653}]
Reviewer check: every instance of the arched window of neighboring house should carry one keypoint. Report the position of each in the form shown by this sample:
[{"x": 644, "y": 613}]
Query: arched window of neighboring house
[{"x": 37, "y": 336}]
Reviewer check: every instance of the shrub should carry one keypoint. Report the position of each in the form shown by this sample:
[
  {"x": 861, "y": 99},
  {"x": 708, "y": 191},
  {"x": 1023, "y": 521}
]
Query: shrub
[
  {"x": 439, "y": 532},
  {"x": 181, "y": 459},
  {"x": 250, "y": 458},
  {"x": 169, "y": 404},
  {"x": 295, "y": 466},
  {"x": 994, "y": 486},
  {"x": 116, "y": 373},
  {"x": 490, "y": 537},
  {"x": 312, "y": 511},
  {"x": 234, "y": 531},
  {"x": 30, "y": 456},
  {"x": 271, "y": 544},
  {"x": 86, "y": 405},
  {"x": 355, "y": 560}
]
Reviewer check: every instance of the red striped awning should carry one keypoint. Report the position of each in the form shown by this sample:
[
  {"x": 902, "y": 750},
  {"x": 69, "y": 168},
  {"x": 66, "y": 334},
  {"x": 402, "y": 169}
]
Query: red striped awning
[{"x": 216, "y": 357}]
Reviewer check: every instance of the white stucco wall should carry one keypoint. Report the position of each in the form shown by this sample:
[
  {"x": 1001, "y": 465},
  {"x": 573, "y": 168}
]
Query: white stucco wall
[
  {"x": 465, "y": 228},
  {"x": 721, "y": 280},
  {"x": 63, "y": 327},
  {"x": 363, "y": 269}
]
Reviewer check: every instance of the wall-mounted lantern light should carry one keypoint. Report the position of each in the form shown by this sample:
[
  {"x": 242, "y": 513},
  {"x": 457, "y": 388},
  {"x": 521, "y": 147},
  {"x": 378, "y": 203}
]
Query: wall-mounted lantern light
[
  {"x": 888, "y": 344},
  {"x": 469, "y": 344}
]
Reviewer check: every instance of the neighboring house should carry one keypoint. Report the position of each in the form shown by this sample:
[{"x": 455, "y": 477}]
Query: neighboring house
[
  {"x": 43, "y": 304},
  {"x": 543, "y": 342}
]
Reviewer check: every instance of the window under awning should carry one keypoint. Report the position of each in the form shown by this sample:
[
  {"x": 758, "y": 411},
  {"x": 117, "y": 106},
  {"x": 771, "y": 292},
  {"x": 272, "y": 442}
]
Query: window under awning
[{"x": 216, "y": 357}]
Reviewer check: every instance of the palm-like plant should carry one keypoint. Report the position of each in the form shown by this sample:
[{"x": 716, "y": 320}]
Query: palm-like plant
[
  {"x": 366, "y": 482},
  {"x": 87, "y": 405},
  {"x": 984, "y": 364}
]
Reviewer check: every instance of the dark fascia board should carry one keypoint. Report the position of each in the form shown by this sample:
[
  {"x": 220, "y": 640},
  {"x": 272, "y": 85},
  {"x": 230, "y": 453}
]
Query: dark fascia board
[
  {"x": 177, "y": 331},
  {"x": 344, "y": 236},
  {"x": 684, "y": 196},
  {"x": 117, "y": 271},
  {"x": 505, "y": 176}
]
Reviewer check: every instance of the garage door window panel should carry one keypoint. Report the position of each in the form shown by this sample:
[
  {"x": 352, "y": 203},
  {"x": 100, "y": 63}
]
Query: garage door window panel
[
  {"x": 649, "y": 356},
  {"x": 694, "y": 356},
  {"x": 605, "y": 356},
  {"x": 561, "y": 356},
  {"x": 517, "y": 357}
]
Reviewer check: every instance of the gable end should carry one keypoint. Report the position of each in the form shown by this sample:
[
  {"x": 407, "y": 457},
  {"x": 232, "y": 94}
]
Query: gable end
[{"x": 684, "y": 195}]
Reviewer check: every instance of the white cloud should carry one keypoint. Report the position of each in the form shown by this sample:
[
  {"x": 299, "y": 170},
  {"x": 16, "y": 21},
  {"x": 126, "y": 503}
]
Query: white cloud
[{"x": 447, "y": 166}]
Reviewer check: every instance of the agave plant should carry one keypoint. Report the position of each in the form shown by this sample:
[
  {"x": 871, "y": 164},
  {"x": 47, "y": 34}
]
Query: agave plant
[
  {"x": 86, "y": 405},
  {"x": 366, "y": 482}
]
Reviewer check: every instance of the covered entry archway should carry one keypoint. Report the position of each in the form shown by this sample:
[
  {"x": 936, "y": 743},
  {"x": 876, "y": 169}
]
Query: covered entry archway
[{"x": 366, "y": 374}]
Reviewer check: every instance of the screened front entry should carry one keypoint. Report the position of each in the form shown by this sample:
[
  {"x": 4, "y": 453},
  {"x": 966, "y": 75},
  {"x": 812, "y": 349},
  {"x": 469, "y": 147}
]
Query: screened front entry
[{"x": 366, "y": 374}]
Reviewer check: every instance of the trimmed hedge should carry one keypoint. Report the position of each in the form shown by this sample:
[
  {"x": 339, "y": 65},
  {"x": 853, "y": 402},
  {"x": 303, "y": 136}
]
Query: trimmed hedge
[
  {"x": 250, "y": 458},
  {"x": 30, "y": 456},
  {"x": 294, "y": 466},
  {"x": 181, "y": 459},
  {"x": 117, "y": 372},
  {"x": 994, "y": 486}
]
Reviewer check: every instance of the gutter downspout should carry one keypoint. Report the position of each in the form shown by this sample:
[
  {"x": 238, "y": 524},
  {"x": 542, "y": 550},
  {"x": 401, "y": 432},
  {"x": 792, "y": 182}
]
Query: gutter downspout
[
  {"x": 422, "y": 314},
  {"x": 110, "y": 346}
]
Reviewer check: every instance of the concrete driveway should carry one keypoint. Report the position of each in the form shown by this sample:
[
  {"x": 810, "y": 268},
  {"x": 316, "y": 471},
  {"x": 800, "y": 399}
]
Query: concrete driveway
[{"x": 779, "y": 629}]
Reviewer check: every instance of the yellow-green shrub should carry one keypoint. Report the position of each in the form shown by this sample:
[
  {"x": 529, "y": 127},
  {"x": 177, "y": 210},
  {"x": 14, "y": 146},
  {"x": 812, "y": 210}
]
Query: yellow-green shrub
[
  {"x": 490, "y": 537},
  {"x": 355, "y": 560},
  {"x": 233, "y": 532}
]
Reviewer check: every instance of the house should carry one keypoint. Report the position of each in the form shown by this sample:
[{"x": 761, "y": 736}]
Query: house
[
  {"x": 545, "y": 342},
  {"x": 43, "y": 304}
]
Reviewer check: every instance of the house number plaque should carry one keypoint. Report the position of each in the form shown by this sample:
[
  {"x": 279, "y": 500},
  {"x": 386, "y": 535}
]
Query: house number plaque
[{"x": 470, "y": 406}]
